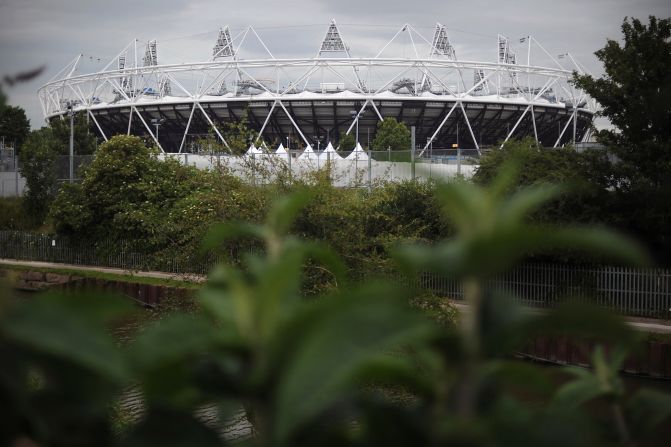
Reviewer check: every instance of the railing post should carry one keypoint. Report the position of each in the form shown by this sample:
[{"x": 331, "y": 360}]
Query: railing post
[
  {"x": 412, "y": 152},
  {"x": 370, "y": 168},
  {"x": 289, "y": 160}
]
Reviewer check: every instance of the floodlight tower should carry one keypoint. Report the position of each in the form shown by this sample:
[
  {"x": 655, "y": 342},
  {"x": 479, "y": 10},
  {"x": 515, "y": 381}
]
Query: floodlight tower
[
  {"x": 224, "y": 45},
  {"x": 150, "y": 56},
  {"x": 507, "y": 56},
  {"x": 478, "y": 77},
  {"x": 223, "y": 49},
  {"x": 126, "y": 81},
  {"x": 441, "y": 45},
  {"x": 333, "y": 43},
  {"x": 151, "y": 60}
]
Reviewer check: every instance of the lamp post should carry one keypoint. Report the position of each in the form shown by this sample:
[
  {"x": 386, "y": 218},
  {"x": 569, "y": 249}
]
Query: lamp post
[
  {"x": 356, "y": 116},
  {"x": 71, "y": 114},
  {"x": 157, "y": 122}
]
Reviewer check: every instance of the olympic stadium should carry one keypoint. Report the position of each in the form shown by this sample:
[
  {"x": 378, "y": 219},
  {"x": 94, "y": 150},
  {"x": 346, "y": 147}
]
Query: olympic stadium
[{"x": 519, "y": 90}]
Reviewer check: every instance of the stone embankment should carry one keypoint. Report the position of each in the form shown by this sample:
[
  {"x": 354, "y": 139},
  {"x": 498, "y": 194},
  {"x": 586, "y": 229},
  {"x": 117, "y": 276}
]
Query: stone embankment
[
  {"x": 36, "y": 280},
  {"x": 148, "y": 295}
]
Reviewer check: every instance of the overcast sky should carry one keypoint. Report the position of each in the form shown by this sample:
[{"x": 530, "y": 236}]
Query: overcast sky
[{"x": 52, "y": 32}]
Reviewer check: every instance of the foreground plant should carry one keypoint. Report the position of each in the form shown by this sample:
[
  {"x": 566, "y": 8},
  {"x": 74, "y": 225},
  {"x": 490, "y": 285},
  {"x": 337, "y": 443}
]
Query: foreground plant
[{"x": 355, "y": 366}]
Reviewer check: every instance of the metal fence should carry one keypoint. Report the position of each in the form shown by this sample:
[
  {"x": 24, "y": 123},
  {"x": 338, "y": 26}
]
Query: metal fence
[
  {"x": 345, "y": 169},
  {"x": 120, "y": 254},
  {"x": 642, "y": 292},
  {"x": 11, "y": 182},
  {"x": 630, "y": 291},
  {"x": 364, "y": 169}
]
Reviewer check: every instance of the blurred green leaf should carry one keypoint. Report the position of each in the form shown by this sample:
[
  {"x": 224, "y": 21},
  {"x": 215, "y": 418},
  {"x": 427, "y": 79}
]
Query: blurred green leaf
[
  {"x": 578, "y": 392},
  {"x": 582, "y": 321},
  {"x": 521, "y": 375},
  {"x": 344, "y": 333},
  {"x": 647, "y": 409},
  {"x": 55, "y": 325},
  {"x": 494, "y": 252},
  {"x": 222, "y": 232},
  {"x": 525, "y": 202},
  {"x": 173, "y": 338},
  {"x": 285, "y": 209}
]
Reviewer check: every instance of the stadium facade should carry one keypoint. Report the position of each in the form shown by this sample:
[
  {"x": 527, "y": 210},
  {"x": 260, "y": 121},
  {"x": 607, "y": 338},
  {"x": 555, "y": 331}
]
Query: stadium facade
[{"x": 312, "y": 100}]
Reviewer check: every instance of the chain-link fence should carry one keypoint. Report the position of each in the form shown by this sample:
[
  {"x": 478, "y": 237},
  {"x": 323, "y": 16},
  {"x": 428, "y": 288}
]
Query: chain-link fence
[
  {"x": 344, "y": 169},
  {"x": 348, "y": 169},
  {"x": 12, "y": 183}
]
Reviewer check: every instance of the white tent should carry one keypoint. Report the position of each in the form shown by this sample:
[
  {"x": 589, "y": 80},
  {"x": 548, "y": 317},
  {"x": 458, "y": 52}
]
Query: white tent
[
  {"x": 308, "y": 154},
  {"x": 329, "y": 154},
  {"x": 252, "y": 151},
  {"x": 282, "y": 153},
  {"x": 280, "y": 150},
  {"x": 357, "y": 154}
]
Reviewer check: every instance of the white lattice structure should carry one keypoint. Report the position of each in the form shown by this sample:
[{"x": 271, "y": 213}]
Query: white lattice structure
[{"x": 472, "y": 103}]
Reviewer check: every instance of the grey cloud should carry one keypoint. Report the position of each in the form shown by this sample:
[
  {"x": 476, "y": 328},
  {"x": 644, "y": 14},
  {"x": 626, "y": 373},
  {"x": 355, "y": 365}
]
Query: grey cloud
[{"x": 39, "y": 32}]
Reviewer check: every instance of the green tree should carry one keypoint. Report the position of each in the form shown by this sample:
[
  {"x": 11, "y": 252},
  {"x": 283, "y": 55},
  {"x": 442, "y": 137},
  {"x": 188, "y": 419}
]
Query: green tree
[
  {"x": 635, "y": 93},
  {"x": 391, "y": 134},
  {"x": 583, "y": 172},
  {"x": 38, "y": 160},
  {"x": 85, "y": 141},
  {"x": 347, "y": 142},
  {"x": 14, "y": 125}
]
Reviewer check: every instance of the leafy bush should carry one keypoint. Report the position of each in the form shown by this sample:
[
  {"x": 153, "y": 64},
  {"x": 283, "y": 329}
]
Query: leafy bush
[
  {"x": 13, "y": 215},
  {"x": 319, "y": 372}
]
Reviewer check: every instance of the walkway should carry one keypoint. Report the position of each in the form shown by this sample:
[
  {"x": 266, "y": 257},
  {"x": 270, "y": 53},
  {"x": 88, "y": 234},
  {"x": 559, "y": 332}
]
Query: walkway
[{"x": 640, "y": 324}]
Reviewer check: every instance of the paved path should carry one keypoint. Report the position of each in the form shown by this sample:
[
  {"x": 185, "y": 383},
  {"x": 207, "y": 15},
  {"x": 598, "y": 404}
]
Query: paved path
[
  {"x": 642, "y": 324},
  {"x": 190, "y": 277}
]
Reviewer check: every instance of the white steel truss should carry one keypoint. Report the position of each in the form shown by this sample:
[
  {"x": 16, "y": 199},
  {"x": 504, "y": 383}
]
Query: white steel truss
[{"x": 129, "y": 87}]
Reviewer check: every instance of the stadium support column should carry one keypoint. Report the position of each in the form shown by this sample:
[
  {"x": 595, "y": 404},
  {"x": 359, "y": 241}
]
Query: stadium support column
[{"x": 440, "y": 126}]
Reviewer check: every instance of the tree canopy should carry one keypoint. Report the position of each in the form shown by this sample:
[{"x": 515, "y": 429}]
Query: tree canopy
[
  {"x": 391, "y": 134},
  {"x": 39, "y": 156},
  {"x": 38, "y": 160},
  {"x": 347, "y": 142},
  {"x": 14, "y": 125},
  {"x": 635, "y": 94}
]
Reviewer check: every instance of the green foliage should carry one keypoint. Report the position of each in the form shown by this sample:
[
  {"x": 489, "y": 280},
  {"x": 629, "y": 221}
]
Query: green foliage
[
  {"x": 38, "y": 160},
  {"x": 85, "y": 142},
  {"x": 14, "y": 125},
  {"x": 126, "y": 190},
  {"x": 238, "y": 135},
  {"x": 635, "y": 94},
  {"x": 13, "y": 215},
  {"x": 347, "y": 142},
  {"x": 158, "y": 206},
  {"x": 391, "y": 134},
  {"x": 583, "y": 173},
  {"x": 316, "y": 372}
]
